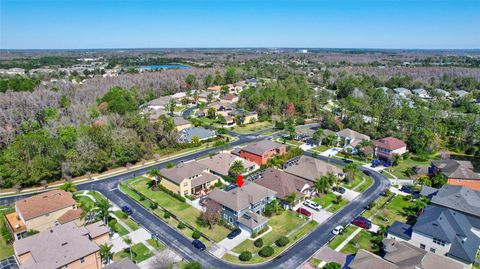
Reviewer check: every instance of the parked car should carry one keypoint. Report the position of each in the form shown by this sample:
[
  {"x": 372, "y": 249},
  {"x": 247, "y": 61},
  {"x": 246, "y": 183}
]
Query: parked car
[
  {"x": 312, "y": 205},
  {"x": 387, "y": 164},
  {"x": 345, "y": 160},
  {"x": 304, "y": 212},
  {"x": 127, "y": 210},
  {"x": 376, "y": 163},
  {"x": 362, "y": 222},
  {"x": 198, "y": 244},
  {"x": 406, "y": 189},
  {"x": 234, "y": 233},
  {"x": 337, "y": 230},
  {"x": 230, "y": 187},
  {"x": 339, "y": 189}
]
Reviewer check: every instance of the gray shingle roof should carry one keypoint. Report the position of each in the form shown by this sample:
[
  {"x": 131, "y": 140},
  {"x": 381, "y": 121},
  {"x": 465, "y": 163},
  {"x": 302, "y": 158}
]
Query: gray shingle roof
[
  {"x": 428, "y": 191},
  {"x": 460, "y": 198},
  {"x": 182, "y": 171},
  {"x": 452, "y": 227},
  {"x": 220, "y": 163},
  {"x": 241, "y": 198},
  {"x": 281, "y": 182},
  {"x": 456, "y": 169},
  {"x": 311, "y": 168},
  {"x": 401, "y": 230},
  {"x": 259, "y": 148},
  {"x": 187, "y": 134}
]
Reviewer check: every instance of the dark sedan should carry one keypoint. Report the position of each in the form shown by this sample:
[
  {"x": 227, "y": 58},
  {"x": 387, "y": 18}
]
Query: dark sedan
[{"x": 234, "y": 233}]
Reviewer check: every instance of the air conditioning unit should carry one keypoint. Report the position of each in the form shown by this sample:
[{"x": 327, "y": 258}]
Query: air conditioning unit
[{"x": 17, "y": 226}]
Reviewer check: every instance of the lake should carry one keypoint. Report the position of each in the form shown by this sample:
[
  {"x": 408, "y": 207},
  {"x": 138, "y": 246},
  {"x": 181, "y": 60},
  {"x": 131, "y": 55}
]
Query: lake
[{"x": 165, "y": 66}]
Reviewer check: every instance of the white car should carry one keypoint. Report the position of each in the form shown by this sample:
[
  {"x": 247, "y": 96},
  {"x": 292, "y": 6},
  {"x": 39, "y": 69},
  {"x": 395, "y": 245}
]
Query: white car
[
  {"x": 312, "y": 205},
  {"x": 337, "y": 230}
]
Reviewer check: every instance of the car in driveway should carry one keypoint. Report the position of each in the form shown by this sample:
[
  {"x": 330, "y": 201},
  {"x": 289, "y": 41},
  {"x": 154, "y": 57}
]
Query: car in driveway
[
  {"x": 198, "y": 244},
  {"x": 304, "y": 212},
  {"x": 362, "y": 222},
  {"x": 337, "y": 230},
  {"x": 339, "y": 189},
  {"x": 234, "y": 233},
  {"x": 127, "y": 210},
  {"x": 312, "y": 205}
]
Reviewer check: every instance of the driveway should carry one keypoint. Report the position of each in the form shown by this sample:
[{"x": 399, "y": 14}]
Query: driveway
[
  {"x": 228, "y": 244},
  {"x": 138, "y": 236},
  {"x": 318, "y": 216},
  {"x": 349, "y": 194},
  {"x": 330, "y": 152}
]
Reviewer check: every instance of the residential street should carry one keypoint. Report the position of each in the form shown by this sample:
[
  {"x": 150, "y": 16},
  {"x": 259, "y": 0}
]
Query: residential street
[{"x": 291, "y": 258}]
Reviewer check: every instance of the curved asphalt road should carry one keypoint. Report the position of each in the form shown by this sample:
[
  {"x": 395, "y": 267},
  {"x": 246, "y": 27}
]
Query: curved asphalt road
[{"x": 291, "y": 258}]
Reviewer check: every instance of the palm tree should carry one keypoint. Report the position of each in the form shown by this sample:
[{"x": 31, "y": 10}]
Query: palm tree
[
  {"x": 322, "y": 185},
  {"x": 237, "y": 168},
  {"x": 127, "y": 240},
  {"x": 290, "y": 199},
  {"x": 334, "y": 179},
  {"x": 351, "y": 169},
  {"x": 102, "y": 208},
  {"x": 87, "y": 211},
  {"x": 68, "y": 186},
  {"x": 106, "y": 253},
  {"x": 155, "y": 173}
]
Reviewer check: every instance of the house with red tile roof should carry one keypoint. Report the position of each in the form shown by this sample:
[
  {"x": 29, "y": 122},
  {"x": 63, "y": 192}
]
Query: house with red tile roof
[{"x": 387, "y": 147}]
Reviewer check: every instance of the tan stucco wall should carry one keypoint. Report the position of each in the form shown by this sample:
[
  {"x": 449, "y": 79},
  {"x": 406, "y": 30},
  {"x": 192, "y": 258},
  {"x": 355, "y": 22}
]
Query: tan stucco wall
[
  {"x": 101, "y": 239},
  {"x": 171, "y": 186},
  {"x": 185, "y": 126}
]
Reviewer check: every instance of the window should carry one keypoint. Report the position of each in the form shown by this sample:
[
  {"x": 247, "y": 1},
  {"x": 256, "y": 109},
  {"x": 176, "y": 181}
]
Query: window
[
  {"x": 185, "y": 192},
  {"x": 82, "y": 259},
  {"x": 185, "y": 184},
  {"x": 422, "y": 246},
  {"x": 439, "y": 242},
  {"x": 432, "y": 250}
]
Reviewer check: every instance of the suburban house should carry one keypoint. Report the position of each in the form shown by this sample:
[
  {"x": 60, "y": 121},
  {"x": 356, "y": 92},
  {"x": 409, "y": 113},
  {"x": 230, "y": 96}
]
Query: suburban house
[
  {"x": 441, "y": 92},
  {"x": 401, "y": 255},
  {"x": 220, "y": 164},
  {"x": 243, "y": 207},
  {"x": 246, "y": 117},
  {"x": 310, "y": 169},
  {"x": 186, "y": 135},
  {"x": 191, "y": 178},
  {"x": 262, "y": 151},
  {"x": 350, "y": 139},
  {"x": 460, "y": 93},
  {"x": 122, "y": 264},
  {"x": 62, "y": 246},
  {"x": 181, "y": 123},
  {"x": 422, "y": 93},
  {"x": 458, "y": 172},
  {"x": 158, "y": 103},
  {"x": 387, "y": 147},
  {"x": 229, "y": 98},
  {"x": 443, "y": 231},
  {"x": 43, "y": 211},
  {"x": 216, "y": 88},
  {"x": 458, "y": 198},
  {"x": 284, "y": 184}
]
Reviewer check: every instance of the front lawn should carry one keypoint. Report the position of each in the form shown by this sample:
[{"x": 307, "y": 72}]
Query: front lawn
[
  {"x": 404, "y": 165},
  {"x": 320, "y": 148},
  {"x": 156, "y": 244},
  {"x": 335, "y": 207},
  {"x": 325, "y": 199},
  {"x": 253, "y": 127},
  {"x": 126, "y": 219},
  {"x": 140, "y": 253},
  {"x": 341, "y": 237},
  {"x": 281, "y": 225},
  {"x": 6, "y": 249},
  {"x": 365, "y": 185},
  {"x": 394, "y": 211},
  {"x": 119, "y": 229},
  {"x": 363, "y": 240},
  {"x": 182, "y": 210},
  {"x": 352, "y": 184}
]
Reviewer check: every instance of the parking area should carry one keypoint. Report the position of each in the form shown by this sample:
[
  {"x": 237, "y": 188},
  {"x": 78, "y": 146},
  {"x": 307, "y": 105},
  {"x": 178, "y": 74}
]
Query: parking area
[
  {"x": 318, "y": 216},
  {"x": 228, "y": 244},
  {"x": 348, "y": 195}
]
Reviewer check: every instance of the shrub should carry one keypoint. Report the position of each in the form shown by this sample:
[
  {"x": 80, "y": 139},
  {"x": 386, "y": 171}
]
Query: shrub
[
  {"x": 192, "y": 265},
  {"x": 142, "y": 198},
  {"x": 112, "y": 223},
  {"x": 258, "y": 243},
  {"x": 181, "y": 226},
  {"x": 171, "y": 193},
  {"x": 333, "y": 265},
  {"x": 245, "y": 256},
  {"x": 196, "y": 234},
  {"x": 166, "y": 215},
  {"x": 266, "y": 251},
  {"x": 282, "y": 241},
  {"x": 153, "y": 205}
]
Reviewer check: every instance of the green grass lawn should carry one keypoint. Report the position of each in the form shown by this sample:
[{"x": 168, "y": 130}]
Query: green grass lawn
[
  {"x": 120, "y": 229},
  {"x": 314, "y": 262},
  {"x": 393, "y": 211},
  {"x": 378, "y": 203},
  {"x": 6, "y": 249},
  {"x": 325, "y": 199},
  {"x": 335, "y": 207},
  {"x": 182, "y": 210},
  {"x": 140, "y": 253},
  {"x": 156, "y": 244},
  {"x": 404, "y": 165},
  {"x": 289, "y": 142},
  {"x": 281, "y": 225},
  {"x": 126, "y": 219},
  {"x": 84, "y": 201},
  {"x": 253, "y": 127},
  {"x": 352, "y": 184},
  {"x": 320, "y": 148},
  {"x": 363, "y": 240},
  {"x": 341, "y": 237},
  {"x": 365, "y": 185}
]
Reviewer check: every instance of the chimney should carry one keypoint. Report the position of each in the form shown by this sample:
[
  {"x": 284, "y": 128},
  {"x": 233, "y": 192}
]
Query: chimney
[{"x": 250, "y": 199}]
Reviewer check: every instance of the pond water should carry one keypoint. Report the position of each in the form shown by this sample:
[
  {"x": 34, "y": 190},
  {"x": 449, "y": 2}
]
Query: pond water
[{"x": 165, "y": 66}]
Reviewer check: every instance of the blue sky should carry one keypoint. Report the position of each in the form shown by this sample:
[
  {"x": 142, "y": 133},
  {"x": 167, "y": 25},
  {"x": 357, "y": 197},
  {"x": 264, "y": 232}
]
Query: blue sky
[{"x": 436, "y": 24}]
